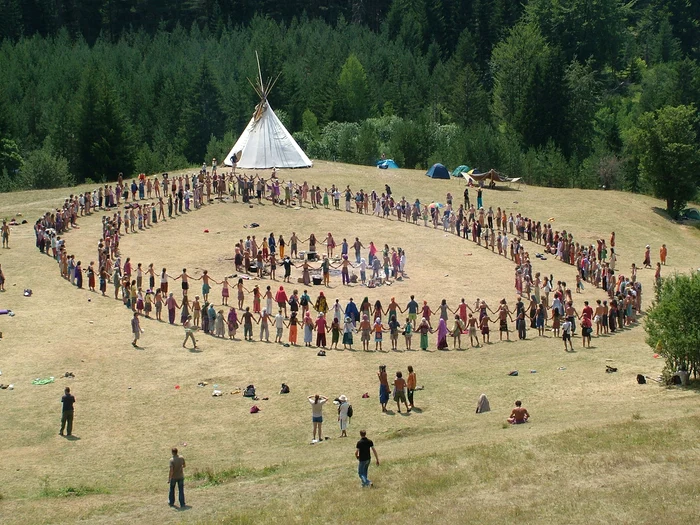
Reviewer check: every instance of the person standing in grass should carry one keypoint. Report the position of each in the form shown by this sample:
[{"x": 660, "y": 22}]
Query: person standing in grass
[
  {"x": 383, "y": 387},
  {"x": 400, "y": 391},
  {"x": 411, "y": 384},
  {"x": 176, "y": 476},
  {"x": 317, "y": 401},
  {"x": 136, "y": 329},
  {"x": 363, "y": 452},
  {"x": 67, "y": 412},
  {"x": 5, "y": 234},
  {"x": 343, "y": 416}
]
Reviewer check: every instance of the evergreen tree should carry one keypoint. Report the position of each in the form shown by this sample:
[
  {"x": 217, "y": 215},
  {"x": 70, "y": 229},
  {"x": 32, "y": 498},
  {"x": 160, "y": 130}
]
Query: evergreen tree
[
  {"x": 353, "y": 91},
  {"x": 103, "y": 136},
  {"x": 10, "y": 20},
  {"x": 202, "y": 116}
]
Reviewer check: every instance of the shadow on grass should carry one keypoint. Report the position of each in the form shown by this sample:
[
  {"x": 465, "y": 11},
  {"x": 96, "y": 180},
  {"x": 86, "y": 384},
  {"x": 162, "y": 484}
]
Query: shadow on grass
[{"x": 72, "y": 438}]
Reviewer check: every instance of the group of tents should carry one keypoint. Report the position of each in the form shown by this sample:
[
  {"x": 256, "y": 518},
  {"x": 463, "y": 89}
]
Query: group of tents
[{"x": 471, "y": 175}]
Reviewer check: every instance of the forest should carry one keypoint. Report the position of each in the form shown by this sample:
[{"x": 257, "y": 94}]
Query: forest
[{"x": 564, "y": 93}]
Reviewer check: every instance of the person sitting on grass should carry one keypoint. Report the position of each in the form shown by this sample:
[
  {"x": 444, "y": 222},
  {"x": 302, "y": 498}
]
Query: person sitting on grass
[{"x": 519, "y": 414}]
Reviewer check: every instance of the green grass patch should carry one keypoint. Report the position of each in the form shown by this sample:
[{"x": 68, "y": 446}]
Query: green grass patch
[
  {"x": 209, "y": 477},
  {"x": 47, "y": 491}
]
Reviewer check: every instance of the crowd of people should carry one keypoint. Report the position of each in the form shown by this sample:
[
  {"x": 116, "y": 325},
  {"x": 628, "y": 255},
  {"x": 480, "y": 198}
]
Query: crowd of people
[{"x": 539, "y": 301}]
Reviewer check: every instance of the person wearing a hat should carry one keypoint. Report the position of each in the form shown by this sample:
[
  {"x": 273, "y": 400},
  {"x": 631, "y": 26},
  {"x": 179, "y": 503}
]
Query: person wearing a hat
[
  {"x": 343, "y": 415},
  {"x": 647, "y": 257}
]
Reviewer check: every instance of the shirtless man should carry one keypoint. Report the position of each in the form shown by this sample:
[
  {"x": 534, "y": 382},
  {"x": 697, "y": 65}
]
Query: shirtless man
[
  {"x": 503, "y": 314},
  {"x": 471, "y": 327},
  {"x": 185, "y": 283},
  {"x": 293, "y": 243},
  {"x": 519, "y": 415},
  {"x": 599, "y": 313},
  {"x": 571, "y": 315}
]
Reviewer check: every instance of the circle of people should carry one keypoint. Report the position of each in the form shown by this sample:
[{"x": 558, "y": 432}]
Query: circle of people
[{"x": 487, "y": 228}]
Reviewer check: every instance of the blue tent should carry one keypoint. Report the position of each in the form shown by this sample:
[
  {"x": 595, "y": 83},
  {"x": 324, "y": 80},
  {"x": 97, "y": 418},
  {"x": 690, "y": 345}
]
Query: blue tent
[
  {"x": 386, "y": 164},
  {"x": 438, "y": 171}
]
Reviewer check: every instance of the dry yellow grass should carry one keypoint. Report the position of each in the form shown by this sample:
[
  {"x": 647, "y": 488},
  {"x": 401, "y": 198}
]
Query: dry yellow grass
[{"x": 600, "y": 447}]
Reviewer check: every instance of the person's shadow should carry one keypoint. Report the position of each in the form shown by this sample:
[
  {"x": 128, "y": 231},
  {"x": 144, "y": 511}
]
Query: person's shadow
[{"x": 72, "y": 437}]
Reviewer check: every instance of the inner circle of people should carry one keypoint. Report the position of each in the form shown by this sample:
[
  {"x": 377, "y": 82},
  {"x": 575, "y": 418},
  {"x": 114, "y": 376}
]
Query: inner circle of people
[{"x": 539, "y": 304}]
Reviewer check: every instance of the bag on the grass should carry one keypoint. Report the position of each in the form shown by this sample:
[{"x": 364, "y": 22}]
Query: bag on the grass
[
  {"x": 249, "y": 391},
  {"x": 284, "y": 389},
  {"x": 641, "y": 379}
]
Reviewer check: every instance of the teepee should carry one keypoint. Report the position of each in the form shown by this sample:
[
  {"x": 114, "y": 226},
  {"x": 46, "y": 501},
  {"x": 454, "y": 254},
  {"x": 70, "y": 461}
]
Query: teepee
[{"x": 265, "y": 142}]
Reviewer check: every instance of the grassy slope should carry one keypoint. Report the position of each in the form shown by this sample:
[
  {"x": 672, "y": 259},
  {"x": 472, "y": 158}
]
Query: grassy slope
[{"x": 600, "y": 447}]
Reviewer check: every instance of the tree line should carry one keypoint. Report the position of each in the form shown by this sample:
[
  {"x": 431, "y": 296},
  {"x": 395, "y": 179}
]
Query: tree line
[{"x": 566, "y": 93}]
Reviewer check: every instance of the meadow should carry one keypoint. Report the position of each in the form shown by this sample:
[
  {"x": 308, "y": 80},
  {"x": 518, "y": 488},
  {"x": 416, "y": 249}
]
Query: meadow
[{"x": 599, "y": 449}]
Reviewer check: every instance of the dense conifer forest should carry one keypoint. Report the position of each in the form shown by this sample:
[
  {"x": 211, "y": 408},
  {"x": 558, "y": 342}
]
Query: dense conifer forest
[{"x": 567, "y": 93}]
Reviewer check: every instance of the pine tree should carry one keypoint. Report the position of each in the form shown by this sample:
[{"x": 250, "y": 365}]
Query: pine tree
[
  {"x": 202, "y": 116},
  {"x": 10, "y": 20},
  {"x": 103, "y": 137}
]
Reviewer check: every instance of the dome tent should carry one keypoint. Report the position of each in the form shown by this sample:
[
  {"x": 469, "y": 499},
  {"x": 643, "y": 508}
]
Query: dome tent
[{"x": 438, "y": 171}]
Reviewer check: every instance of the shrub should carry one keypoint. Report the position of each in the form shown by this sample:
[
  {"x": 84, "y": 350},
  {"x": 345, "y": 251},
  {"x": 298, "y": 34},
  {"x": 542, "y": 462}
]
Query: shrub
[
  {"x": 671, "y": 325},
  {"x": 43, "y": 169}
]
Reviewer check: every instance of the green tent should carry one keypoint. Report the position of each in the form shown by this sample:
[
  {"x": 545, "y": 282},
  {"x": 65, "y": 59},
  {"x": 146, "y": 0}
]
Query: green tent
[{"x": 459, "y": 170}]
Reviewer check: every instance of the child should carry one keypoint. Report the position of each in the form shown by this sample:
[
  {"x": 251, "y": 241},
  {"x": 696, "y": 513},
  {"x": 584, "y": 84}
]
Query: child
[
  {"x": 378, "y": 329},
  {"x": 579, "y": 283},
  {"x": 556, "y": 321},
  {"x": 407, "y": 333},
  {"x": 394, "y": 331}
]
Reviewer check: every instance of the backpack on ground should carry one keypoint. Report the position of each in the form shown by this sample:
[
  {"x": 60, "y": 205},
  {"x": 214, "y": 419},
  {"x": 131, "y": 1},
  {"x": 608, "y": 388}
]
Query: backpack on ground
[
  {"x": 284, "y": 389},
  {"x": 641, "y": 379},
  {"x": 249, "y": 391}
]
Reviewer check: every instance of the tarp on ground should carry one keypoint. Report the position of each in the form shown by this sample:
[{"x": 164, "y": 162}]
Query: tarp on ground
[
  {"x": 459, "y": 170},
  {"x": 490, "y": 176},
  {"x": 438, "y": 171},
  {"x": 387, "y": 164}
]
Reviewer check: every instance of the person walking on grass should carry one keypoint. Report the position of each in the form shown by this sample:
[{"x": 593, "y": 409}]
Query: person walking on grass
[
  {"x": 67, "y": 401},
  {"x": 343, "y": 415},
  {"x": 189, "y": 332},
  {"x": 136, "y": 329},
  {"x": 317, "y": 401},
  {"x": 176, "y": 476},
  {"x": 363, "y": 452}
]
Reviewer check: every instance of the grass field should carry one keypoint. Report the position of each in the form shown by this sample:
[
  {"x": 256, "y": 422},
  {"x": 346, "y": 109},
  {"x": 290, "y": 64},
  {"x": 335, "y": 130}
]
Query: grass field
[{"x": 600, "y": 448}]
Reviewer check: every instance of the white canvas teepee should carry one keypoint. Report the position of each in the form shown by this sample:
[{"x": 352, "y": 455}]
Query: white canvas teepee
[{"x": 265, "y": 142}]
